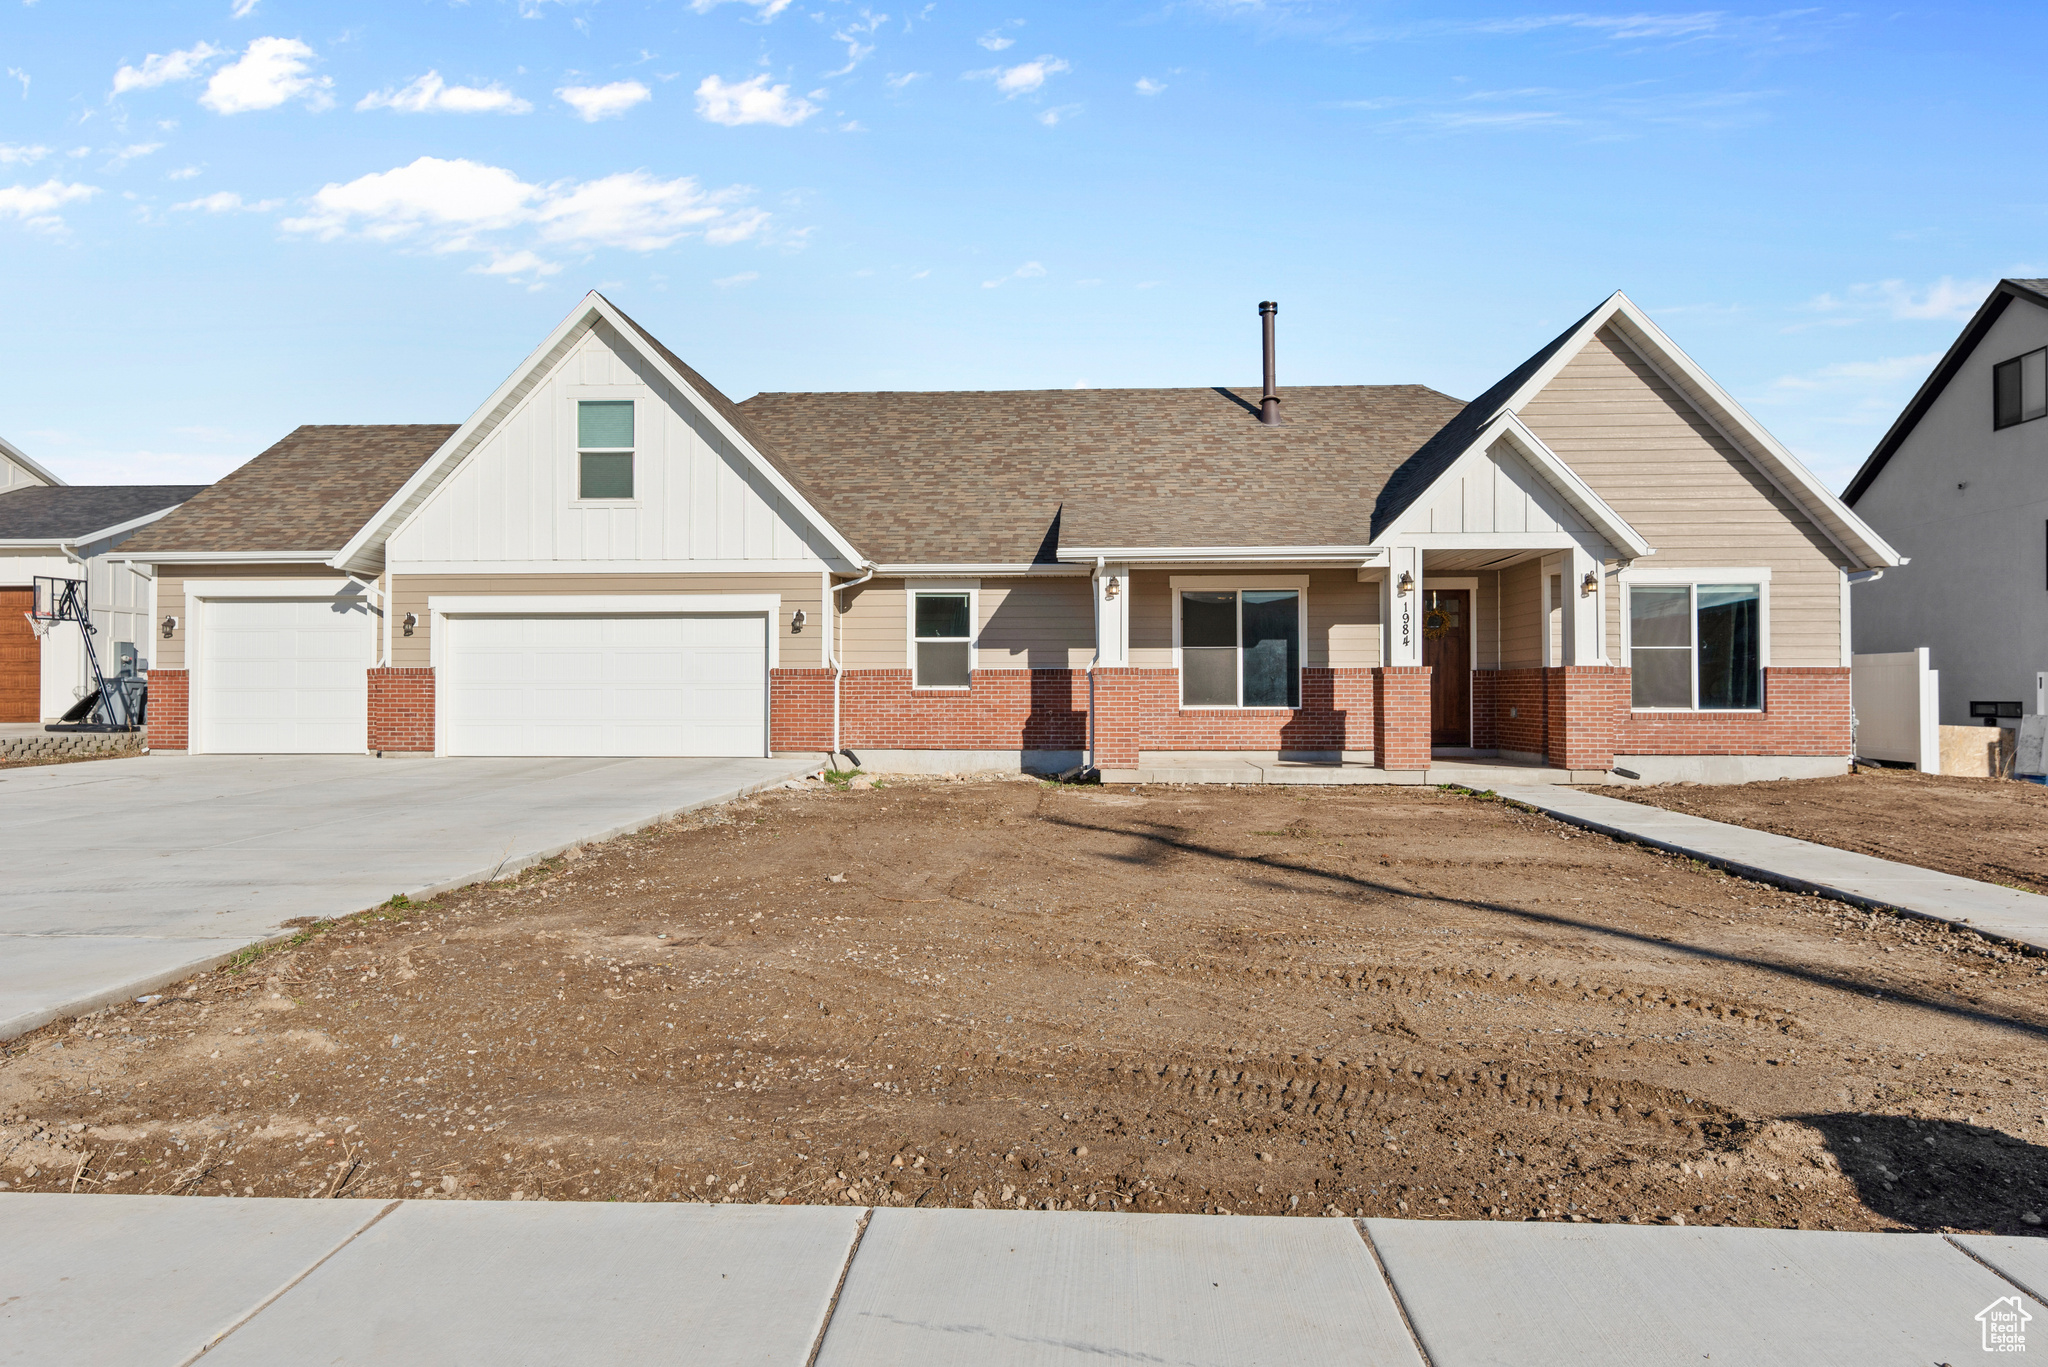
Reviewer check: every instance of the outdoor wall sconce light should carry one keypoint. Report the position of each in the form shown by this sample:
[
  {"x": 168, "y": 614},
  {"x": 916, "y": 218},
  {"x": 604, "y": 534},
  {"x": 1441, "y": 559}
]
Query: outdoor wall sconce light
[
  {"x": 1111, "y": 587},
  {"x": 409, "y": 621},
  {"x": 1407, "y": 583},
  {"x": 170, "y": 624},
  {"x": 796, "y": 621},
  {"x": 1590, "y": 585}
]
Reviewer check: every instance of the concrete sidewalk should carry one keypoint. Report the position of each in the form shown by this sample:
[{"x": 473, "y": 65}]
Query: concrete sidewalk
[
  {"x": 122, "y": 875},
  {"x": 140, "y": 1281},
  {"x": 1802, "y": 865}
]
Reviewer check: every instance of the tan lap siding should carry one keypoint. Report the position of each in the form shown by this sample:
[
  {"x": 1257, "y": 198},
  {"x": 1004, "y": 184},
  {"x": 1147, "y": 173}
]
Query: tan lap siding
[
  {"x": 170, "y": 597},
  {"x": 872, "y": 627},
  {"x": 796, "y": 650},
  {"x": 1046, "y": 623},
  {"x": 1691, "y": 494},
  {"x": 1521, "y": 608}
]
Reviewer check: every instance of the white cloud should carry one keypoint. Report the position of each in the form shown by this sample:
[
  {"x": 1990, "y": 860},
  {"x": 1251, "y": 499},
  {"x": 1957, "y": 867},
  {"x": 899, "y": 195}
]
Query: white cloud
[
  {"x": 1058, "y": 114},
  {"x": 995, "y": 40},
  {"x": 517, "y": 263},
  {"x": 1946, "y": 300},
  {"x": 1023, "y": 79},
  {"x": 895, "y": 82},
  {"x": 272, "y": 71},
  {"x": 182, "y": 173},
  {"x": 242, "y": 9},
  {"x": 36, "y": 206},
  {"x": 594, "y": 102},
  {"x": 16, "y": 73},
  {"x": 228, "y": 202},
  {"x": 430, "y": 94},
  {"x": 764, "y": 10},
  {"x": 1029, "y": 270},
  {"x": 743, "y": 278},
  {"x": 465, "y": 206},
  {"x": 851, "y": 34},
  {"x": 135, "y": 150},
  {"x": 751, "y": 101},
  {"x": 1891, "y": 371},
  {"x": 1148, "y": 86},
  {"x": 162, "y": 69},
  {"x": 18, "y": 154}
]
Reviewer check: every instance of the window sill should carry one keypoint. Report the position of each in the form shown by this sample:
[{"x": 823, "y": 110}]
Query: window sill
[
  {"x": 941, "y": 688},
  {"x": 604, "y": 503},
  {"x": 1238, "y": 707},
  {"x": 1697, "y": 711}
]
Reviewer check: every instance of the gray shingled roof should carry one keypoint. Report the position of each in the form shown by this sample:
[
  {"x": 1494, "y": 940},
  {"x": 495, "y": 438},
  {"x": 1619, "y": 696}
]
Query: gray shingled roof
[
  {"x": 981, "y": 476},
  {"x": 312, "y": 491},
  {"x": 65, "y": 512}
]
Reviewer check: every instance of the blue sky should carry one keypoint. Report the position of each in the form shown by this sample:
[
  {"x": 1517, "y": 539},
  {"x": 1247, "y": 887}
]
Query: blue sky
[{"x": 219, "y": 220}]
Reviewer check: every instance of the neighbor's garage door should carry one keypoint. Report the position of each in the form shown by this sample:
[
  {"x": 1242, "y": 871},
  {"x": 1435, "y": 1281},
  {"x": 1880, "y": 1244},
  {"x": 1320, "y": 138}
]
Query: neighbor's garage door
[
  {"x": 284, "y": 676},
  {"x": 605, "y": 685},
  {"x": 21, "y": 659}
]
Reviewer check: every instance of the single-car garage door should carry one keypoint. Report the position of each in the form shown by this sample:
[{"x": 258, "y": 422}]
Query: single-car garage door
[
  {"x": 284, "y": 676},
  {"x": 605, "y": 684}
]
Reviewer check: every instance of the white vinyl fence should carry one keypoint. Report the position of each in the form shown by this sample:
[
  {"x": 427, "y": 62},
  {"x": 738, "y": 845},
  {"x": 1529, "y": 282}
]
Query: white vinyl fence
[{"x": 1897, "y": 702}]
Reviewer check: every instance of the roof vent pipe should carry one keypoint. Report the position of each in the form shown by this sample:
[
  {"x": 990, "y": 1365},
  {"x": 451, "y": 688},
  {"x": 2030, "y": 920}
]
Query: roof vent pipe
[{"x": 1269, "y": 402}]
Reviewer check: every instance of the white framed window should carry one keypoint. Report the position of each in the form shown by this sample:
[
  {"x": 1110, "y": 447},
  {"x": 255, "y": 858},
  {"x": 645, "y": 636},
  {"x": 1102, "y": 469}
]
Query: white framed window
[
  {"x": 604, "y": 449},
  {"x": 941, "y": 619},
  {"x": 2019, "y": 389},
  {"x": 1239, "y": 642},
  {"x": 1697, "y": 640}
]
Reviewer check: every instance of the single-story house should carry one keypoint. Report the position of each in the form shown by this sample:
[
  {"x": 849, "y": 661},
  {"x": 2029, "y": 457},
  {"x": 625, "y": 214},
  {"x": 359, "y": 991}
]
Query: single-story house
[
  {"x": 1601, "y": 563},
  {"x": 69, "y": 531},
  {"x": 1960, "y": 485}
]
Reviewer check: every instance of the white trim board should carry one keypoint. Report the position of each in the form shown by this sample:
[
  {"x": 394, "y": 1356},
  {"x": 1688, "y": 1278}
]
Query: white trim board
[
  {"x": 460, "y": 568},
  {"x": 599, "y": 604},
  {"x": 274, "y": 588}
]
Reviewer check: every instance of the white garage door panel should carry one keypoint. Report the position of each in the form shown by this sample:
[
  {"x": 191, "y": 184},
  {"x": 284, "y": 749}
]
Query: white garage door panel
[
  {"x": 596, "y": 685},
  {"x": 285, "y": 676}
]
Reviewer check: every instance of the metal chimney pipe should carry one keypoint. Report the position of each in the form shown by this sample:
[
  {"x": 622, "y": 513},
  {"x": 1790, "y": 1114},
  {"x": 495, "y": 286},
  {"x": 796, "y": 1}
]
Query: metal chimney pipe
[{"x": 1269, "y": 402}]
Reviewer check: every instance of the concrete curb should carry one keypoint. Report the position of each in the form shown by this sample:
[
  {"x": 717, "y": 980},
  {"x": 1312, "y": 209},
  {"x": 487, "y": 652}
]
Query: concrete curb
[{"x": 18, "y": 1025}]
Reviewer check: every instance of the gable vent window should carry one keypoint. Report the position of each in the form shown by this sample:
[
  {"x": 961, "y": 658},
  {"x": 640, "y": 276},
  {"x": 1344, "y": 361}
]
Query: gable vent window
[
  {"x": 2019, "y": 389},
  {"x": 604, "y": 448},
  {"x": 944, "y": 640}
]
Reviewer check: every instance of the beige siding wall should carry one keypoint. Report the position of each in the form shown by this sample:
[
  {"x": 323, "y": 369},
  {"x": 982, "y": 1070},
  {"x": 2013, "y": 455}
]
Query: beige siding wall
[
  {"x": 1521, "y": 607},
  {"x": 872, "y": 629},
  {"x": 1036, "y": 623},
  {"x": 796, "y": 650},
  {"x": 170, "y": 597},
  {"x": 1343, "y": 618},
  {"x": 1658, "y": 463}
]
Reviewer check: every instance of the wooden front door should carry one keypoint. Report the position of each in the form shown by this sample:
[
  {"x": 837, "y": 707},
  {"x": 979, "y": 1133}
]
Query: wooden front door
[
  {"x": 21, "y": 659},
  {"x": 1447, "y": 650}
]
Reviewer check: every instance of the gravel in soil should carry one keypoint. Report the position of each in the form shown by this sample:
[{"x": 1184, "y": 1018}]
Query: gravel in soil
[
  {"x": 1991, "y": 829},
  {"x": 1375, "y": 1001}
]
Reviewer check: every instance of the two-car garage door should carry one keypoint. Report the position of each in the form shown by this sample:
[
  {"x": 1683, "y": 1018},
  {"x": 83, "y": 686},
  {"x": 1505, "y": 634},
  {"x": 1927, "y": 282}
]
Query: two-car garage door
[{"x": 604, "y": 684}]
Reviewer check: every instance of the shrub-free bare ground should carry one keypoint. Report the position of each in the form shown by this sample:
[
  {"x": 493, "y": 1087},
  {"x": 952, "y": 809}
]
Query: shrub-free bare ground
[{"x": 1368, "y": 1000}]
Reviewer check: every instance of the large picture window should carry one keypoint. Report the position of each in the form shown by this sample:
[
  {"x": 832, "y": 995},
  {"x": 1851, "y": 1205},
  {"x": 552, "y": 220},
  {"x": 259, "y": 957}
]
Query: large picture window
[
  {"x": 604, "y": 448},
  {"x": 1696, "y": 646},
  {"x": 2019, "y": 389},
  {"x": 1240, "y": 648},
  {"x": 943, "y": 638}
]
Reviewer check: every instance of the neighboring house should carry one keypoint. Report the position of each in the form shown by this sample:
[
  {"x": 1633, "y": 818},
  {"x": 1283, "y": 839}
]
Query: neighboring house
[
  {"x": 609, "y": 557},
  {"x": 66, "y": 531},
  {"x": 1960, "y": 486}
]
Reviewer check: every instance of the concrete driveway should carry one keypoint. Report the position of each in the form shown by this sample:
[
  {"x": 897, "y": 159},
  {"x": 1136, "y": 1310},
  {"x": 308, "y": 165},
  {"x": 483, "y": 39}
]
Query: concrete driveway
[{"x": 118, "y": 876}]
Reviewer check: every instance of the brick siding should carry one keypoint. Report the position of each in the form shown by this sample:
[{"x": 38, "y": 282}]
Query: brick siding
[
  {"x": 1806, "y": 712},
  {"x": 1139, "y": 709},
  {"x": 1000, "y": 709},
  {"x": 402, "y": 710},
  {"x": 170, "y": 709},
  {"x": 1401, "y": 721},
  {"x": 799, "y": 711}
]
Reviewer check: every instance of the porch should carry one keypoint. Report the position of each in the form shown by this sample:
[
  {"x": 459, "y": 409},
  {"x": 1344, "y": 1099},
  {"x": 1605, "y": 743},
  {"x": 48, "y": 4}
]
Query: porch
[{"x": 1280, "y": 767}]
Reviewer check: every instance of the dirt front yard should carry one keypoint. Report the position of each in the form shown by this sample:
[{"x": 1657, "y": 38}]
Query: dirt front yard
[
  {"x": 1368, "y": 1000},
  {"x": 1992, "y": 829}
]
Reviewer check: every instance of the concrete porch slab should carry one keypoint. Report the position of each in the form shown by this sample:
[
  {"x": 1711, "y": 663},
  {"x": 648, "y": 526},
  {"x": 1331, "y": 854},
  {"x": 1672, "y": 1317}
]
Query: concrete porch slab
[
  {"x": 484, "y": 1283},
  {"x": 1016, "y": 1289},
  {"x": 1551, "y": 1295},
  {"x": 134, "y": 1281}
]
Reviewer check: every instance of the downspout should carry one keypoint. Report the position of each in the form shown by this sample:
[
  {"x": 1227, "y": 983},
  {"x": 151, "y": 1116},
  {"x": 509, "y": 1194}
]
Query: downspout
[
  {"x": 1088, "y": 761},
  {"x": 832, "y": 653}
]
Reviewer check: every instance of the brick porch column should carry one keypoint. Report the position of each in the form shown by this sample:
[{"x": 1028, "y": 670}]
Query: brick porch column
[
  {"x": 1400, "y": 717},
  {"x": 1117, "y": 713},
  {"x": 1585, "y": 704}
]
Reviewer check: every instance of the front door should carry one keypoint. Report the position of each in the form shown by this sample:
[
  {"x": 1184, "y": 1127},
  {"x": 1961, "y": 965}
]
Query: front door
[{"x": 1447, "y": 650}]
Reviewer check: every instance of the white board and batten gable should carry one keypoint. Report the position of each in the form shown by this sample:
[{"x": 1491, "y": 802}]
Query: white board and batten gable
[
  {"x": 1497, "y": 496},
  {"x": 17, "y": 471},
  {"x": 505, "y": 496}
]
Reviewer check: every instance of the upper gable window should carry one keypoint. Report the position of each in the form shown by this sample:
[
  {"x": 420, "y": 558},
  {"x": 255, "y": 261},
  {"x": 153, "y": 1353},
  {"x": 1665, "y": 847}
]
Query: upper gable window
[
  {"x": 2019, "y": 389},
  {"x": 604, "y": 448}
]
